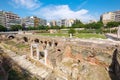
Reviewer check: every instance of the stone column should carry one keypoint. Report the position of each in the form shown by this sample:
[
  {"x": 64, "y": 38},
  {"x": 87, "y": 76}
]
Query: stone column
[
  {"x": 70, "y": 35},
  {"x": 46, "y": 54},
  {"x": 31, "y": 51},
  {"x": 47, "y": 46},
  {"x": 118, "y": 32},
  {"x": 37, "y": 51},
  {"x": 53, "y": 44}
]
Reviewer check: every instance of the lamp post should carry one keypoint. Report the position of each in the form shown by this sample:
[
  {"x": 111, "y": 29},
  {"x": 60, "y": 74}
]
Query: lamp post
[{"x": 118, "y": 32}]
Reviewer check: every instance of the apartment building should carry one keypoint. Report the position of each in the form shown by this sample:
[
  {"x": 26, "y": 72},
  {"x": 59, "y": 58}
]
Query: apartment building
[
  {"x": 9, "y": 18},
  {"x": 117, "y": 16},
  {"x": 2, "y": 18},
  {"x": 33, "y": 21},
  {"x": 110, "y": 16},
  {"x": 107, "y": 17}
]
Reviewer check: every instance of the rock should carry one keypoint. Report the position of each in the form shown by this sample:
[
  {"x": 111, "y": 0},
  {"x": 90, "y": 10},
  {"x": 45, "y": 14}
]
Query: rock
[
  {"x": 92, "y": 72},
  {"x": 114, "y": 68}
]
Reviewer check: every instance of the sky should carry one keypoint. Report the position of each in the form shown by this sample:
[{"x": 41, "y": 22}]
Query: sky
[{"x": 84, "y": 10}]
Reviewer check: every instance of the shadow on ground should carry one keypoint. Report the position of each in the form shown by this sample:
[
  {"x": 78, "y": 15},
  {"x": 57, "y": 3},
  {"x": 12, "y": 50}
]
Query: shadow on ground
[{"x": 114, "y": 68}]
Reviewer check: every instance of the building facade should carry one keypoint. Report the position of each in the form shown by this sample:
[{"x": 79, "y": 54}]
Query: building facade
[
  {"x": 108, "y": 17},
  {"x": 33, "y": 21},
  {"x": 53, "y": 23},
  {"x": 9, "y": 18},
  {"x": 117, "y": 16},
  {"x": 2, "y": 18},
  {"x": 65, "y": 22}
]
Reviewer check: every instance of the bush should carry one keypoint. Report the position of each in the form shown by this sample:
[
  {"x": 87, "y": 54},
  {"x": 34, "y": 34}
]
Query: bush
[
  {"x": 90, "y": 31},
  {"x": 2, "y": 28},
  {"x": 72, "y": 31}
]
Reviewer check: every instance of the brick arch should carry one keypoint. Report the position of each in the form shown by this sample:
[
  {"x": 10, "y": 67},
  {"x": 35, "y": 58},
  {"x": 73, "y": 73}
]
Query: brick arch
[
  {"x": 36, "y": 40},
  {"x": 11, "y": 36},
  {"x": 56, "y": 43},
  {"x": 45, "y": 41},
  {"x": 50, "y": 43},
  {"x": 25, "y": 39}
]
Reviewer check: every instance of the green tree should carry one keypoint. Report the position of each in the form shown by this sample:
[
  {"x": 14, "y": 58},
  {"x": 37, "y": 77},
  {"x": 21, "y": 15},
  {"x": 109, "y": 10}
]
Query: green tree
[
  {"x": 72, "y": 31},
  {"x": 16, "y": 27},
  {"x": 31, "y": 28},
  {"x": 94, "y": 25},
  {"x": 2, "y": 28},
  {"x": 78, "y": 24},
  {"x": 113, "y": 24}
]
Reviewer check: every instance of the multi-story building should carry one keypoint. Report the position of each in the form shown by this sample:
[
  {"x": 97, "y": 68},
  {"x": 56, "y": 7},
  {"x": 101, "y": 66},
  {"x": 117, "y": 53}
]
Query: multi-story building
[
  {"x": 36, "y": 22},
  {"x": 12, "y": 19},
  {"x": 28, "y": 21},
  {"x": 2, "y": 18},
  {"x": 70, "y": 22},
  {"x": 43, "y": 22},
  {"x": 65, "y": 22},
  {"x": 8, "y": 18},
  {"x": 58, "y": 23},
  {"x": 53, "y": 23},
  {"x": 108, "y": 17},
  {"x": 117, "y": 16},
  {"x": 33, "y": 21},
  {"x": 92, "y": 21}
]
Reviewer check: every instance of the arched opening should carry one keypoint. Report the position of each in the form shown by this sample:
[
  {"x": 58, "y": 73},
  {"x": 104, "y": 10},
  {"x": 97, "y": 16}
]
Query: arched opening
[
  {"x": 11, "y": 37},
  {"x": 50, "y": 43},
  {"x": 56, "y": 43},
  {"x": 59, "y": 50},
  {"x": 25, "y": 39},
  {"x": 36, "y": 40},
  {"x": 41, "y": 42},
  {"x": 78, "y": 61},
  {"x": 45, "y": 42},
  {"x": 42, "y": 54}
]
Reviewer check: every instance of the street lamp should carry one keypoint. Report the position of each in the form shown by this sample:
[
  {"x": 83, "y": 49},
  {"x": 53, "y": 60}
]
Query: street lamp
[{"x": 118, "y": 32}]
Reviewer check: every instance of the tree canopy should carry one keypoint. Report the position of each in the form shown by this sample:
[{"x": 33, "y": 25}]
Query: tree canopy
[
  {"x": 112, "y": 24},
  {"x": 16, "y": 27},
  {"x": 77, "y": 24},
  {"x": 2, "y": 28},
  {"x": 72, "y": 31},
  {"x": 94, "y": 25}
]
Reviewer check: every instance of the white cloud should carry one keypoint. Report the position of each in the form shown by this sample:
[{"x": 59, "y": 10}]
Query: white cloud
[
  {"x": 29, "y": 4},
  {"x": 62, "y": 12}
]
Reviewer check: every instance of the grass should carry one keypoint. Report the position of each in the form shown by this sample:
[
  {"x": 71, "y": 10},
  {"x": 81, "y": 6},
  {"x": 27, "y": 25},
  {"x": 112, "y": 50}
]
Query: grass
[
  {"x": 21, "y": 46},
  {"x": 56, "y": 34},
  {"x": 90, "y": 35},
  {"x": 79, "y": 35}
]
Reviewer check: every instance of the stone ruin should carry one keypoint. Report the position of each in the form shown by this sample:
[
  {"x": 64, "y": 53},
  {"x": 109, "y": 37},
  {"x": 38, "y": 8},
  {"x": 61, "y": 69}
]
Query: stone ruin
[{"x": 75, "y": 59}]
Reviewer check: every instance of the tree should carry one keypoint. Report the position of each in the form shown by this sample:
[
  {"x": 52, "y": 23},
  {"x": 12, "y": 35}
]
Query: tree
[
  {"x": 72, "y": 31},
  {"x": 30, "y": 28},
  {"x": 2, "y": 28},
  {"x": 94, "y": 25},
  {"x": 16, "y": 27},
  {"x": 113, "y": 24},
  {"x": 78, "y": 24},
  {"x": 98, "y": 25}
]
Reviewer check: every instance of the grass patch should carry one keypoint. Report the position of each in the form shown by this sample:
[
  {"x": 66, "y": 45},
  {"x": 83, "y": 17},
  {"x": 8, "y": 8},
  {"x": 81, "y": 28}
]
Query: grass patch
[
  {"x": 79, "y": 35},
  {"x": 10, "y": 42},
  {"x": 21, "y": 46},
  {"x": 55, "y": 34},
  {"x": 90, "y": 35}
]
